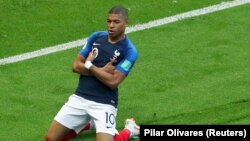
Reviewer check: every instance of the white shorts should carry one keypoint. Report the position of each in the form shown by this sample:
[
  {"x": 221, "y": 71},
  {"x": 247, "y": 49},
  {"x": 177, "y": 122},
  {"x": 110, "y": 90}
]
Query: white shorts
[{"x": 77, "y": 112}]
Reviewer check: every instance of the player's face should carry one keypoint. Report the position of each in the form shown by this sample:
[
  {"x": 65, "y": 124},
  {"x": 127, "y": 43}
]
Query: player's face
[{"x": 116, "y": 25}]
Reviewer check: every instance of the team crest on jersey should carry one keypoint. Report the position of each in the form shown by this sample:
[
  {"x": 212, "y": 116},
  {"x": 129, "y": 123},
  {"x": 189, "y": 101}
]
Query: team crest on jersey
[{"x": 116, "y": 54}]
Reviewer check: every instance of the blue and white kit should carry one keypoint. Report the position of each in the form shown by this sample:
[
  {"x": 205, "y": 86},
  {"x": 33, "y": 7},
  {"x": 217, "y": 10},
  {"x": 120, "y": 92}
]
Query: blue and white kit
[{"x": 93, "y": 100}]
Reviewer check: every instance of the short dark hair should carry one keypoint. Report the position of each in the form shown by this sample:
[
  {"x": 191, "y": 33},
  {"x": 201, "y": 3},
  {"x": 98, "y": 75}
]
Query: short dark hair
[{"x": 119, "y": 10}]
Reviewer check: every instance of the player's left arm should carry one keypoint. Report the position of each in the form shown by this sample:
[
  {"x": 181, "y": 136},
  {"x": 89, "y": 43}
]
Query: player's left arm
[
  {"x": 112, "y": 80},
  {"x": 105, "y": 74}
]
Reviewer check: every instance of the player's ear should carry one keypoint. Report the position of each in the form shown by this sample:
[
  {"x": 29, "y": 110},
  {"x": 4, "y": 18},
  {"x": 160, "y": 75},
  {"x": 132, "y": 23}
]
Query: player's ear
[{"x": 126, "y": 23}]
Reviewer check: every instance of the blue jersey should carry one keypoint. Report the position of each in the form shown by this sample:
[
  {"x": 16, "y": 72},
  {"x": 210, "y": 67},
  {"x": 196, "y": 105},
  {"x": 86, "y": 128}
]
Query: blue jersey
[{"x": 125, "y": 54}]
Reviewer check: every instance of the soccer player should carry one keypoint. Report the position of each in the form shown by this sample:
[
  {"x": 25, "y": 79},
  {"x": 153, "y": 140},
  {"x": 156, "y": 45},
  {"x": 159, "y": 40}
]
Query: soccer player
[{"x": 103, "y": 63}]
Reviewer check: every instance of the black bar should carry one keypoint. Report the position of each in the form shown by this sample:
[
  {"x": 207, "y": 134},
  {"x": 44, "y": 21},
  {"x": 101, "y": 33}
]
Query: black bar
[{"x": 194, "y": 132}]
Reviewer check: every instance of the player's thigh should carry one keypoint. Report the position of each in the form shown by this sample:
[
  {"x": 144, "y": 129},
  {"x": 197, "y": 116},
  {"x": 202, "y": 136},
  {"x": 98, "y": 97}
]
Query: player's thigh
[
  {"x": 104, "y": 137},
  {"x": 56, "y": 131}
]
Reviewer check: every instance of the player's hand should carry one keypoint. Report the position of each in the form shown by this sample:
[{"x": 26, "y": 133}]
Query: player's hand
[
  {"x": 92, "y": 56},
  {"x": 109, "y": 68}
]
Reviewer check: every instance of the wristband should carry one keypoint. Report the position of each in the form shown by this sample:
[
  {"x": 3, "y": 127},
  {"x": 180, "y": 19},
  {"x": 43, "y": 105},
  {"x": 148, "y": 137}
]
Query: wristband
[{"x": 87, "y": 65}]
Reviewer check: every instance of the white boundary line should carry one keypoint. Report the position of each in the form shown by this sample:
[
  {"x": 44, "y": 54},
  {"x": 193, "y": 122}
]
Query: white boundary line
[{"x": 135, "y": 28}]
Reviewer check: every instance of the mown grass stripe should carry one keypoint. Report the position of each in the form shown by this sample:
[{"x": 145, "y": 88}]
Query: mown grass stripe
[{"x": 138, "y": 27}]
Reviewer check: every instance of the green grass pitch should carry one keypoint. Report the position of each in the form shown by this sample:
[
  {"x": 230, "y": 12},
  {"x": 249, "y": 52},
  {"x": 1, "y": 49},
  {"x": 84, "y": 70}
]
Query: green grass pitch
[{"x": 194, "y": 71}]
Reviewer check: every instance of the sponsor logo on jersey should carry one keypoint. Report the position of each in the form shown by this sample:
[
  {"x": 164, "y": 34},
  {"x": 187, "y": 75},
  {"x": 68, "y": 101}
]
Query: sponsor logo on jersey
[
  {"x": 108, "y": 127},
  {"x": 96, "y": 44}
]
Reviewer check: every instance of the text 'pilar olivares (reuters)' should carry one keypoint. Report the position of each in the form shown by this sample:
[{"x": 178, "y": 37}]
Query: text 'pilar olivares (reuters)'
[{"x": 194, "y": 132}]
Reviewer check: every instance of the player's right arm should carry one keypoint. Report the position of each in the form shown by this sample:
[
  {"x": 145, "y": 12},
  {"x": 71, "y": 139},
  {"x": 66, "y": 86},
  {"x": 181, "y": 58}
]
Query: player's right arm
[{"x": 78, "y": 65}]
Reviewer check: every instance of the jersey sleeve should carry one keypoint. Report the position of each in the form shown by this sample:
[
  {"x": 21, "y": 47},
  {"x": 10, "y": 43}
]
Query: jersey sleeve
[
  {"x": 127, "y": 63},
  {"x": 87, "y": 47}
]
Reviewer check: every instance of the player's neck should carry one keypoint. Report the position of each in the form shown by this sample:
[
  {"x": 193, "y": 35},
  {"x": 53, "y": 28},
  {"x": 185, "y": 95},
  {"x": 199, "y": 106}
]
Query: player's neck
[{"x": 114, "y": 40}]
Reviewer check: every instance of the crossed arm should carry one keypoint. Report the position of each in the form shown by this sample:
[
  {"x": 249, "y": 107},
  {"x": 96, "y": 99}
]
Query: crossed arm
[{"x": 107, "y": 74}]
